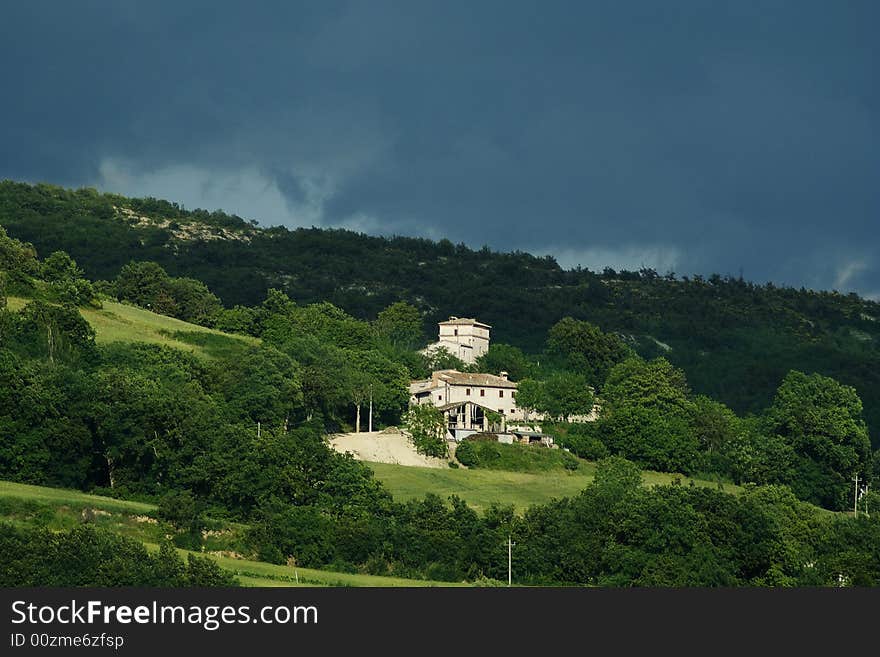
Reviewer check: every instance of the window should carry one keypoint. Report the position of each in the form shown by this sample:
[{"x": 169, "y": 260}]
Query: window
[
  {"x": 513, "y": 395},
  {"x": 440, "y": 397},
  {"x": 513, "y": 410},
  {"x": 500, "y": 393},
  {"x": 467, "y": 391},
  {"x": 482, "y": 393},
  {"x": 455, "y": 331}
]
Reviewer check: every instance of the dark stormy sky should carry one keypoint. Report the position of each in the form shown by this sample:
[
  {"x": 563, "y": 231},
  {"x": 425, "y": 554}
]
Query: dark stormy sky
[{"x": 695, "y": 136}]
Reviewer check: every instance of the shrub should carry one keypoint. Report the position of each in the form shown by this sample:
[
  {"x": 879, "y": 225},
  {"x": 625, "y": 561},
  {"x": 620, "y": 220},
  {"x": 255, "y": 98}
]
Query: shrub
[
  {"x": 466, "y": 453},
  {"x": 582, "y": 440},
  {"x": 515, "y": 458},
  {"x": 569, "y": 461}
]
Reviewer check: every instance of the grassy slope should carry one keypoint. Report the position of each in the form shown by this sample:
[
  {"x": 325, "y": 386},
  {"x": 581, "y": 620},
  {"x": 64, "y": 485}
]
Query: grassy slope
[
  {"x": 258, "y": 573},
  {"x": 59, "y": 509},
  {"x": 117, "y": 322},
  {"x": 72, "y": 498},
  {"x": 480, "y": 488}
]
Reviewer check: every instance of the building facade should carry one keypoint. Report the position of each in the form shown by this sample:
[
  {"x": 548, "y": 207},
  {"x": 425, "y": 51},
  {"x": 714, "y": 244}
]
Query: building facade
[
  {"x": 467, "y": 399},
  {"x": 465, "y": 338}
]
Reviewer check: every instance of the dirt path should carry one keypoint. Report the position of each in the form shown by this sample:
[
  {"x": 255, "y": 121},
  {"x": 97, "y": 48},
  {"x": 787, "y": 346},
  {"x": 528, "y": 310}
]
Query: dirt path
[{"x": 389, "y": 446}]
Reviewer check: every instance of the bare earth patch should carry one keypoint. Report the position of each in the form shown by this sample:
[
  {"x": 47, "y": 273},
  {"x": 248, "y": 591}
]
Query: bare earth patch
[{"x": 389, "y": 446}]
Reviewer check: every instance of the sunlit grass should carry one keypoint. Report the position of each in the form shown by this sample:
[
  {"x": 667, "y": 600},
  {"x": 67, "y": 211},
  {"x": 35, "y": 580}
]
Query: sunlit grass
[
  {"x": 69, "y": 497},
  {"x": 118, "y": 322},
  {"x": 259, "y": 573},
  {"x": 480, "y": 488}
]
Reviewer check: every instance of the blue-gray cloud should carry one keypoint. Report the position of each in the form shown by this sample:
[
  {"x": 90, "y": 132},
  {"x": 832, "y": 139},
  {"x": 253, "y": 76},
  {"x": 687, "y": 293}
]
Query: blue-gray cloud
[{"x": 684, "y": 135}]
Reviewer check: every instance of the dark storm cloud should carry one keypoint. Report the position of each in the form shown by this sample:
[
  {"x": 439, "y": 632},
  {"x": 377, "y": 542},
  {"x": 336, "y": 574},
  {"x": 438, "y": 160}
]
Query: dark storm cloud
[{"x": 692, "y": 136}]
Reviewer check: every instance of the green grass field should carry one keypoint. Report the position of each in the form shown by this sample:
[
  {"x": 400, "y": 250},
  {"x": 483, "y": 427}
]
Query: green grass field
[
  {"x": 117, "y": 322},
  {"x": 72, "y": 498},
  {"x": 480, "y": 488}
]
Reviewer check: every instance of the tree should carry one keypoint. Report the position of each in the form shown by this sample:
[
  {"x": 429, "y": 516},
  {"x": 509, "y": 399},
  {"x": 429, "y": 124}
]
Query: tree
[
  {"x": 505, "y": 358},
  {"x": 324, "y": 375},
  {"x": 648, "y": 383},
  {"x": 821, "y": 420},
  {"x": 240, "y": 319},
  {"x": 716, "y": 428},
  {"x": 656, "y": 439},
  {"x": 195, "y": 302},
  {"x": 369, "y": 374},
  {"x": 530, "y": 395},
  {"x": 333, "y": 325},
  {"x": 186, "y": 513},
  {"x": 761, "y": 458},
  {"x": 443, "y": 359},
  {"x": 646, "y": 415},
  {"x": 146, "y": 284},
  {"x": 60, "y": 267},
  {"x": 583, "y": 348},
  {"x": 66, "y": 280},
  {"x": 427, "y": 426},
  {"x": 359, "y": 386},
  {"x": 566, "y": 394},
  {"x": 56, "y": 332},
  {"x": 18, "y": 259},
  {"x": 560, "y": 396},
  {"x": 400, "y": 324},
  {"x": 262, "y": 385}
]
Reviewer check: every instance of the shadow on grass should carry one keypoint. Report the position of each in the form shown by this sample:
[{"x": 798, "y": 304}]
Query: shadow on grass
[{"x": 213, "y": 344}]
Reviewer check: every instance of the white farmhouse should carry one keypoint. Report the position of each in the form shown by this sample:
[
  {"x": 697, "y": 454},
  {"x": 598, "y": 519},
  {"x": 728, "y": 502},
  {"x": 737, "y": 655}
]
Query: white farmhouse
[
  {"x": 465, "y": 338},
  {"x": 466, "y": 399}
]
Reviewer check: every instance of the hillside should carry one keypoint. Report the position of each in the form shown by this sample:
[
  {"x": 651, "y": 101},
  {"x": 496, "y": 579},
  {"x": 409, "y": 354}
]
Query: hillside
[
  {"x": 230, "y": 443},
  {"x": 117, "y": 322},
  {"x": 482, "y": 488},
  {"x": 734, "y": 339},
  {"x": 62, "y": 509}
]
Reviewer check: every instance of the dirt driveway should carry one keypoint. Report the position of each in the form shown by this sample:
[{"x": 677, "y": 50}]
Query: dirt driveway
[{"x": 388, "y": 446}]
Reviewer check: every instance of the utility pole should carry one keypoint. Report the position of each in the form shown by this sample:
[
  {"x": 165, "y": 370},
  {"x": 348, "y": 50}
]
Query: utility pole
[
  {"x": 258, "y": 429},
  {"x": 856, "y": 498},
  {"x": 510, "y": 545},
  {"x": 371, "y": 409}
]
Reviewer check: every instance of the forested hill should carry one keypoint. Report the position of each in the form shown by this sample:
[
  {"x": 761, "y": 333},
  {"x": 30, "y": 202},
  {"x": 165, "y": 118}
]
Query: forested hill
[{"x": 734, "y": 339}]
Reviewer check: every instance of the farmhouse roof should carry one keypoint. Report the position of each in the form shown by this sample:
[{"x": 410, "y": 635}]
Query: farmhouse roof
[
  {"x": 463, "y": 321},
  {"x": 456, "y": 378}
]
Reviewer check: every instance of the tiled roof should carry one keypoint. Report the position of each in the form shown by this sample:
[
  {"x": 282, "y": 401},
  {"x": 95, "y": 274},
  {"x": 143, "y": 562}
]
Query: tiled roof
[
  {"x": 456, "y": 378},
  {"x": 463, "y": 321}
]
